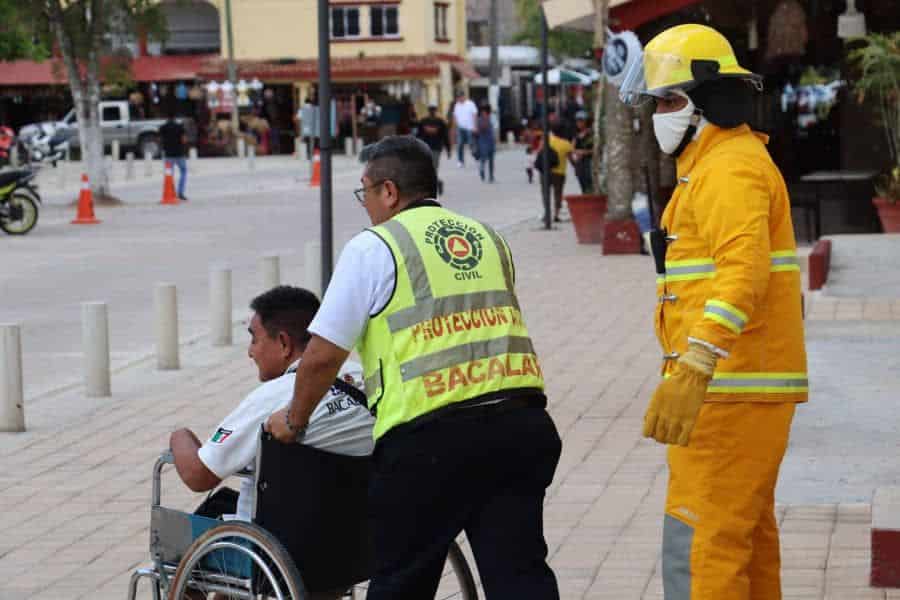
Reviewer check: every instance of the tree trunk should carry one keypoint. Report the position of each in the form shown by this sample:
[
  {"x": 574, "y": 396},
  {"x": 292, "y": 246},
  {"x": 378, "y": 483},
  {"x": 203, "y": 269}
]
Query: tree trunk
[
  {"x": 619, "y": 146},
  {"x": 92, "y": 141},
  {"x": 85, "y": 91},
  {"x": 598, "y": 162}
]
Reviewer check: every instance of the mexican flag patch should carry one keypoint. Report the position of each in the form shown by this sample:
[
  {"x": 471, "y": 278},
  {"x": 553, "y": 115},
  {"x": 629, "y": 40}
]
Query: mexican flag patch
[{"x": 220, "y": 435}]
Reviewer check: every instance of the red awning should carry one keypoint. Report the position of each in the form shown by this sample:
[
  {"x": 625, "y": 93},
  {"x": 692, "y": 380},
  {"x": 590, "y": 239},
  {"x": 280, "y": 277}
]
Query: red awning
[
  {"x": 342, "y": 69},
  {"x": 143, "y": 68},
  {"x": 169, "y": 68},
  {"x": 635, "y": 13},
  {"x": 28, "y": 72}
]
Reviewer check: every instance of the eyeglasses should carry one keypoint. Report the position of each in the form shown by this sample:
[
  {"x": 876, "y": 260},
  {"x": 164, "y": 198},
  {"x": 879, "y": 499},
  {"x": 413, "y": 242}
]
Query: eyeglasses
[{"x": 360, "y": 193}]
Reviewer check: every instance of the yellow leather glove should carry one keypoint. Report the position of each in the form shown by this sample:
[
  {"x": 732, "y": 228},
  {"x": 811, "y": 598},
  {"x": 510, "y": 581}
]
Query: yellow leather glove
[{"x": 677, "y": 400}]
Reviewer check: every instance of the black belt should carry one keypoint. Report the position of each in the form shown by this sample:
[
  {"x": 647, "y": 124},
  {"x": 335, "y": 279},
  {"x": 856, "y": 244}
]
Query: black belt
[
  {"x": 494, "y": 406},
  {"x": 482, "y": 406}
]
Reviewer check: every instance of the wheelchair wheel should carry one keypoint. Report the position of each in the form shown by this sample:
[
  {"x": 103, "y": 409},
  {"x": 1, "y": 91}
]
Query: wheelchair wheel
[
  {"x": 237, "y": 560},
  {"x": 457, "y": 581}
]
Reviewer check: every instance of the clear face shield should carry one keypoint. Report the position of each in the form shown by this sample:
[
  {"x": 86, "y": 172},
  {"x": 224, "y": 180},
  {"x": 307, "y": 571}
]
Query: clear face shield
[
  {"x": 633, "y": 90},
  {"x": 654, "y": 75}
]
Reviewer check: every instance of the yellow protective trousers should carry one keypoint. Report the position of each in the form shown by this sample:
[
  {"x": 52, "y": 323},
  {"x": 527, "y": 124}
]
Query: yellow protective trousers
[{"x": 720, "y": 538}]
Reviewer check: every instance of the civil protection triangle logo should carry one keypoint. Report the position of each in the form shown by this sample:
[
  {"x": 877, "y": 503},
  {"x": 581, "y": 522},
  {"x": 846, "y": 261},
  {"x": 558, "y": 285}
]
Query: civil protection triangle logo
[{"x": 457, "y": 244}]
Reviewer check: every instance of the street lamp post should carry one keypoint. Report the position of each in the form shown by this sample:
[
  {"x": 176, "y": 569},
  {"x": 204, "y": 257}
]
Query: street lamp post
[
  {"x": 494, "y": 89},
  {"x": 232, "y": 70},
  {"x": 325, "y": 141},
  {"x": 545, "y": 124}
]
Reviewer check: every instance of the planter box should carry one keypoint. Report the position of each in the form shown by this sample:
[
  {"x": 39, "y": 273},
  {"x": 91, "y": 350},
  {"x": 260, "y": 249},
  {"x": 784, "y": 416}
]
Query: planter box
[
  {"x": 889, "y": 213},
  {"x": 588, "y": 213},
  {"x": 621, "y": 237},
  {"x": 819, "y": 263}
]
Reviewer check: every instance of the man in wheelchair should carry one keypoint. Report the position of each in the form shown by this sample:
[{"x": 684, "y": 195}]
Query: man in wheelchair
[{"x": 340, "y": 424}]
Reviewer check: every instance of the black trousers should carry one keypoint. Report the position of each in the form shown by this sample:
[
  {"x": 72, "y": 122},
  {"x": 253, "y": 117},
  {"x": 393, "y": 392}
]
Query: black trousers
[{"x": 484, "y": 473}]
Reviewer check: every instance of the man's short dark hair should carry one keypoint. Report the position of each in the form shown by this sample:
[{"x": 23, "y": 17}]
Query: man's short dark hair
[
  {"x": 405, "y": 160},
  {"x": 288, "y": 309}
]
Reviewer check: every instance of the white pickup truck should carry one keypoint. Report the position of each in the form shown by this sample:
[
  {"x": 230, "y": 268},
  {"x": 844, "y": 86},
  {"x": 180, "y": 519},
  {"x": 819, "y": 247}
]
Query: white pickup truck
[{"x": 117, "y": 122}]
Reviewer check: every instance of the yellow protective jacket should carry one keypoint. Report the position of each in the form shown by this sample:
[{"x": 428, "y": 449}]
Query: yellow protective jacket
[{"x": 732, "y": 278}]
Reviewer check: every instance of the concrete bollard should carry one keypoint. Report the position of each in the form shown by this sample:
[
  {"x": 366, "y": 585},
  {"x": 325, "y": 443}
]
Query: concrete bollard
[
  {"x": 12, "y": 399},
  {"x": 510, "y": 138},
  {"x": 312, "y": 267},
  {"x": 148, "y": 164},
  {"x": 166, "y": 300},
  {"x": 192, "y": 153},
  {"x": 115, "y": 150},
  {"x": 270, "y": 271},
  {"x": 298, "y": 147},
  {"x": 348, "y": 146},
  {"x": 241, "y": 147},
  {"x": 251, "y": 158},
  {"x": 220, "y": 306},
  {"x": 129, "y": 165},
  {"x": 14, "y": 156},
  {"x": 95, "y": 340}
]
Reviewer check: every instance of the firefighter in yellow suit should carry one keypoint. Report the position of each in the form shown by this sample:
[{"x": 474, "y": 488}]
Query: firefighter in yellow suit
[{"x": 728, "y": 317}]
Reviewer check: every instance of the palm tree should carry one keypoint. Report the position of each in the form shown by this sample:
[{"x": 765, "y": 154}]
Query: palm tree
[{"x": 620, "y": 152}]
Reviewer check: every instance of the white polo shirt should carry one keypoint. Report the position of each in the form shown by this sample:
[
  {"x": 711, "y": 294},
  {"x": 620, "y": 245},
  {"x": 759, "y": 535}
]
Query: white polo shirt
[
  {"x": 338, "y": 425},
  {"x": 464, "y": 113}
]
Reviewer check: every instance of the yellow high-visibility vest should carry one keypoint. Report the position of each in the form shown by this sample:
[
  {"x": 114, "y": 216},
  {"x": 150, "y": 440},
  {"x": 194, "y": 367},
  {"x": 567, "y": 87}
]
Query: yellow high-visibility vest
[{"x": 452, "y": 330}]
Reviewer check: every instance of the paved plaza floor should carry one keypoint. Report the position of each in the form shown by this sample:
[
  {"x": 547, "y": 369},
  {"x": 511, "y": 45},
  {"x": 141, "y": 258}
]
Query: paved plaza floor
[{"x": 75, "y": 488}]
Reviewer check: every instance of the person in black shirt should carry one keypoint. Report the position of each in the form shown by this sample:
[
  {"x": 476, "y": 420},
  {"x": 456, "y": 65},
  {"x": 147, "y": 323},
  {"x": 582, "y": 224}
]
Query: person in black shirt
[
  {"x": 583, "y": 155},
  {"x": 434, "y": 132},
  {"x": 174, "y": 141}
]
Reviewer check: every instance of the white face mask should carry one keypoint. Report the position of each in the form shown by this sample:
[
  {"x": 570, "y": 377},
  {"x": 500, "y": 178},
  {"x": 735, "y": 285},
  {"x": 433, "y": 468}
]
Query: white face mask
[{"x": 671, "y": 127}]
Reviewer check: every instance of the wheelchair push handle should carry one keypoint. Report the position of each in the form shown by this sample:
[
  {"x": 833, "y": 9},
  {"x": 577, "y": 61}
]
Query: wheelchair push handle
[{"x": 166, "y": 458}]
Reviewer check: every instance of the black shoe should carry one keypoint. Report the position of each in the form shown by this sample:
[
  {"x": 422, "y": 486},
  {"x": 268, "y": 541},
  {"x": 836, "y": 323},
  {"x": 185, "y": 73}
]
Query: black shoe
[{"x": 182, "y": 198}]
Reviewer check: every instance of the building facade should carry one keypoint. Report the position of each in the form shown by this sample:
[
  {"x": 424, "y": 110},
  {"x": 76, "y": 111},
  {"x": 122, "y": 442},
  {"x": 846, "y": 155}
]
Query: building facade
[{"x": 413, "y": 49}]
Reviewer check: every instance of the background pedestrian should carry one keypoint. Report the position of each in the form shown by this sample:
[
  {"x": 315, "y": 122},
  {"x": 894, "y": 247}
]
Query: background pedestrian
[
  {"x": 484, "y": 142},
  {"x": 174, "y": 143},
  {"x": 464, "y": 115},
  {"x": 583, "y": 154}
]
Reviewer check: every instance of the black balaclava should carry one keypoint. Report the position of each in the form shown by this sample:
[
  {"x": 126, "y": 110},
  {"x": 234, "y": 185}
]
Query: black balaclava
[{"x": 726, "y": 102}]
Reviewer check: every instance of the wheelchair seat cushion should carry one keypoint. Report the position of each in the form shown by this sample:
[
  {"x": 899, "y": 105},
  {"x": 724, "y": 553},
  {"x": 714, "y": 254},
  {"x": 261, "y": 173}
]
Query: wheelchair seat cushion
[{"x": 315, "y": 502}]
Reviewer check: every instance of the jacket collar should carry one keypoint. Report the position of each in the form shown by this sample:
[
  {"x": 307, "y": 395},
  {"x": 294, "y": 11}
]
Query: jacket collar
[{"x": 709, "y": 138}]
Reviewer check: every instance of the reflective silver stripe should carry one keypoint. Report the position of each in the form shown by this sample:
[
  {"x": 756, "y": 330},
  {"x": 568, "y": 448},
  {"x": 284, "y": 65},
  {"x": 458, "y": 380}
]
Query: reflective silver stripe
[
  {"x": 725, "y": 314},
  {"x": 504, "y": 262},
  {"x": 412, "y": 259},
  {"x": 690, "y": 270},
  {"x": 757, "y": 383},
  {"x": 373, "y": 383},
  {"x": 678, "y": 538},
  {"x": 785, "y": 260},
  {"x": 448, "y": 305},
  {"x": 464, "y": 353}
]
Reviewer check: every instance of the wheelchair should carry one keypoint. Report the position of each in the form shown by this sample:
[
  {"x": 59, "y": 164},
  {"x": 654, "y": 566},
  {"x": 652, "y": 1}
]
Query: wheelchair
[{"x": 324, "y": 542}]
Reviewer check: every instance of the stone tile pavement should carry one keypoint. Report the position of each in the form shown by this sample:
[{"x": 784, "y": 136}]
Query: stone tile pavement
[{"x": 75, "y": 489}]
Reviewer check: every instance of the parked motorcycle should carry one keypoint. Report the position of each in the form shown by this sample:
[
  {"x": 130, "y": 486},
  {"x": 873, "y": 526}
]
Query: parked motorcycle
[
  {"x": 7, "y": 143},
  {"x": 49, "y": 146},
  {"x": 19, "y": 201}
]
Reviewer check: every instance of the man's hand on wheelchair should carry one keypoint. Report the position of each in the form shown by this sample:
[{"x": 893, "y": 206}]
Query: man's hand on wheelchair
[{"x": 277, "y": 425}]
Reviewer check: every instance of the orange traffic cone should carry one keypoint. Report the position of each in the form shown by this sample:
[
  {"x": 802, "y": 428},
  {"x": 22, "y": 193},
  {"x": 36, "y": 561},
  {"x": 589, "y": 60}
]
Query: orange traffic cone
[
  {"x": 316, "y": 180},
  {"x": 168, "y": 194},
  {"x": 85, "y": 214}
]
